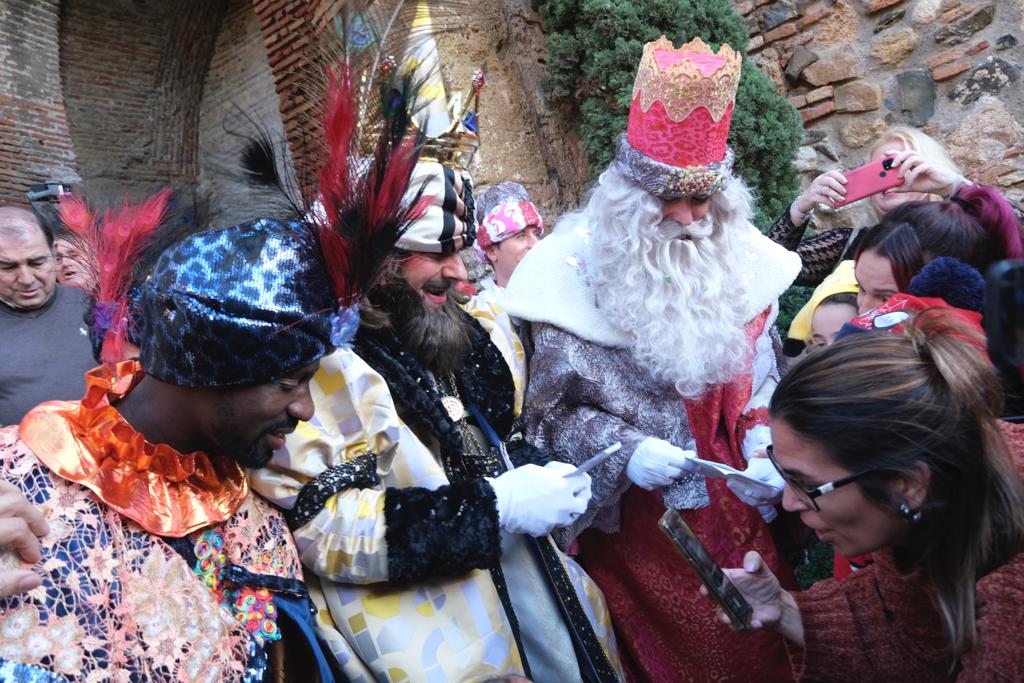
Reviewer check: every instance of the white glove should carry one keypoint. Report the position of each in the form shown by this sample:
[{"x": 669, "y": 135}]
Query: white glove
[
  {"x": 534, "y": 500},
  {"x": 657, "y": 463},
  {"x": 763, "y": 497}
]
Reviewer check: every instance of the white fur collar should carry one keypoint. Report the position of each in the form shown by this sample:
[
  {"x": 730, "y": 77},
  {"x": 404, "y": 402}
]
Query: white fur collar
[{"x": 549, "y": 285}]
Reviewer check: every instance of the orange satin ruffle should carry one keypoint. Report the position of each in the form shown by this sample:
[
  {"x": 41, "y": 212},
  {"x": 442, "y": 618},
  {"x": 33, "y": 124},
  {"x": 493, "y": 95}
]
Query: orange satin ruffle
[{"x": 165, "y": 492}]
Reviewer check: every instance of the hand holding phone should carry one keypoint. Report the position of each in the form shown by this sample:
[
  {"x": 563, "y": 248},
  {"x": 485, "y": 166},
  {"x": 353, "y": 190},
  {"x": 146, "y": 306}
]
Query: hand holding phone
[
  {"x": 871, "y": 178},
  {"x": 707, "y": 570}
]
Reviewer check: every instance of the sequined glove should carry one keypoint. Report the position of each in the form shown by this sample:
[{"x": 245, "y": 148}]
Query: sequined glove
[
  {"x": 534, "y": 500},
  {"x": 656, "y": 463}
]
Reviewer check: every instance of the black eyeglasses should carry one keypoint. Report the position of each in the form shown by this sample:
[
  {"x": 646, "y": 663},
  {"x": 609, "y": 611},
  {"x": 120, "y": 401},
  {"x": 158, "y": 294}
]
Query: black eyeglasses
[{"x": 809, "y": 494}]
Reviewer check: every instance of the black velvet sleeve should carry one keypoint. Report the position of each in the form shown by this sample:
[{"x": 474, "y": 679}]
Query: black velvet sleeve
[
  {"x": 521, "y": 452},
  {"x": 360, "y": 472},
  {"x": 442, "y": 533}
]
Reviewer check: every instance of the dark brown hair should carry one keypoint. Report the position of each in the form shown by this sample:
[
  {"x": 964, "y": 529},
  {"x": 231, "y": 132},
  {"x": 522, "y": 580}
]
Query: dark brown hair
[
  {"x": 891, "y": 402},
  {"x": 977, "y": 227}
]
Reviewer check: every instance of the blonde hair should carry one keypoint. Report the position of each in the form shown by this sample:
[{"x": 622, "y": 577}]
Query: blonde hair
[{"x": 914, "y": 139}]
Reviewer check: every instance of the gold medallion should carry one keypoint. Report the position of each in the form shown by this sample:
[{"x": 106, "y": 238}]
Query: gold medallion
[{"x": 456, "y": 411}]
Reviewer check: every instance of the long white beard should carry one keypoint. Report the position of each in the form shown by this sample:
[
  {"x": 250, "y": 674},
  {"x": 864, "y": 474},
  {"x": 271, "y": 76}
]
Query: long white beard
[{"x": 674, "y": 291}]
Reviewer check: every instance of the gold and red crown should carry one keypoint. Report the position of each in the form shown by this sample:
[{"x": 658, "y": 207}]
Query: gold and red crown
[{"x": 681, "y": 110}]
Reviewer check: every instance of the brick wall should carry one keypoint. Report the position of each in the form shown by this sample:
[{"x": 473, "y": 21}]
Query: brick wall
[
  {"x": 238, "y": 94},
  {"x": 34, "y": 140},
  {"x": 287, "y": 29},
  {"x": 133, "y": 74}
]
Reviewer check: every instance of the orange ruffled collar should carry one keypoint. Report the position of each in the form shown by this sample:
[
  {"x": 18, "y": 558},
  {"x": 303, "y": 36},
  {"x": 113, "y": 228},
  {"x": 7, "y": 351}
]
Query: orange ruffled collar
[{"x": 166, "y": 492}]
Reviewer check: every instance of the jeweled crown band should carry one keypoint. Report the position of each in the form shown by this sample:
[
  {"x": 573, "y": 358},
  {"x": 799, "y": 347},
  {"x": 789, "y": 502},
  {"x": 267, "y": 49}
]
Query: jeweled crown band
[{"x": 671, "y": 182}]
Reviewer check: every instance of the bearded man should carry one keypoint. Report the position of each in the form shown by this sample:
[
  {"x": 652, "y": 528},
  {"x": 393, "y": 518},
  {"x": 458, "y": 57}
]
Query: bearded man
[
  {"x": 651, "y": 312},
  {"x": 414, "y": 499}
]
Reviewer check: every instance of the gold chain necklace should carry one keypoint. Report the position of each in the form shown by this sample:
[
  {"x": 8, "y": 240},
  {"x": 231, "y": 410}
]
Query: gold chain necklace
[
  {"x": 457, "y": 412},
  {"x": 452, "y": 403}
]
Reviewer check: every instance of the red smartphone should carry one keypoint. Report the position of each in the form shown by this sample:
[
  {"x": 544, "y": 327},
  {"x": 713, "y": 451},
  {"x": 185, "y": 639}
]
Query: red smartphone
[{"x": 864, "y": 181}]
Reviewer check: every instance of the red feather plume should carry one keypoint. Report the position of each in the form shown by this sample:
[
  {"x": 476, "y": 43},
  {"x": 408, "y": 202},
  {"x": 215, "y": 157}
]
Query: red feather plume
[
  {"x": 365, "y": 202},
  {"x": 114, "y": 244}
]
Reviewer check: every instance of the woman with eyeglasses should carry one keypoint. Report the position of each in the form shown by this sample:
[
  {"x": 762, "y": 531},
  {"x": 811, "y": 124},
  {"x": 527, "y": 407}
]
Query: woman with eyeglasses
[{"x": 891, "y": 444}]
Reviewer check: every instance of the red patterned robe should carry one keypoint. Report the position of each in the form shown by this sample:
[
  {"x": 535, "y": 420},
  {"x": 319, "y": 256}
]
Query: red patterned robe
[{"x": 583, "y": 396}]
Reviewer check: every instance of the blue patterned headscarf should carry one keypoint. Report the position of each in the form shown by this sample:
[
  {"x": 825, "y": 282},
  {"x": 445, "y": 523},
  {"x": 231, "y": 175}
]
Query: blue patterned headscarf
[{"x": 239, "y": 305}]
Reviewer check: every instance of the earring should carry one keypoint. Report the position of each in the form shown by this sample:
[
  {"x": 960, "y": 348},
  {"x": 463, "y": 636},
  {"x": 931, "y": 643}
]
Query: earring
[{"x": 908, "y": 514}]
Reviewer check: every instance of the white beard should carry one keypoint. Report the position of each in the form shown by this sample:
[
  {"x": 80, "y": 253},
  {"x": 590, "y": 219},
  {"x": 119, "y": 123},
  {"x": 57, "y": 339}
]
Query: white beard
[{"x": 672, "y": 288}]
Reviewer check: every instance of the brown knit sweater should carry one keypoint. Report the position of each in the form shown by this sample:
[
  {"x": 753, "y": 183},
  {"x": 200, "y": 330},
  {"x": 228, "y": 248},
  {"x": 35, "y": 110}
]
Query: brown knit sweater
[{"x": 881, "y": 625}]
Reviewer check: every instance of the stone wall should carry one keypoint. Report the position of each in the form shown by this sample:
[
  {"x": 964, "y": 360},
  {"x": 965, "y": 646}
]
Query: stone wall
[{"x": 854, "y": 67}]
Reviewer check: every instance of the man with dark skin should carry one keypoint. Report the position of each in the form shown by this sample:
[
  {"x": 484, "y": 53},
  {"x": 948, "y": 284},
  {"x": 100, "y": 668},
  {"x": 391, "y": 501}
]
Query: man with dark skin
[{"x": 154, "y": 557}]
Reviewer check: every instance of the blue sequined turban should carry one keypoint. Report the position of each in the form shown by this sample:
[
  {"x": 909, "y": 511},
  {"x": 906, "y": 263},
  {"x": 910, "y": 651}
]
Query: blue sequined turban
[{"x": 240, "y": 305}]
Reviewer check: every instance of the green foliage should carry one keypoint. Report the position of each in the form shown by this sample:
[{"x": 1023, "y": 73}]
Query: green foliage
[
  {"x": 790, "y": 303},
  {"x": 818, "y": 564},
  {"x": 594, "y": 47}
]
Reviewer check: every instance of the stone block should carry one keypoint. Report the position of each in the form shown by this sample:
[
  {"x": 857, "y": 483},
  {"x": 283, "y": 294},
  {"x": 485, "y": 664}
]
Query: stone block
[
  {"x": 916, "y": 96},
  {"x": 989, "y": 174},
  {"x": 893, "y": 48},
  {"x": 798, "y": 61},
  {"x": 879, "y": 5},
  {"x": 945, "y": 57},
  {"x": 955, "y": 13},
  {"x": 837, "y": 67},
  {"x": 819, "y": 94},
  {"x": 889, "y": 19},
  {"x": 988, "y": 78},
  {"x": 840, "y": 27},
  {"x": 858, "y": 96},
  {"x": 784, "y": 31},
  {"x": 1006, "y": 42},
  {"x": 807, "y": 161},
  {"x": 817, "y": 111},
  {"x": 797, "y": 100},
  {"x": 1014, "y": 178},
  {"x": 756, "y": 43},
  {"x": 813, "y": 17},
  {"x": 926, "y": 11},
  {"x": 827, "y": 152},
  {"x": 744, "y": 8},
  {"x": 801, "y": 38},
  {"x": 776, "y": 15},
  {"x": 962, "y": 29},
  {"x": 947, "y": 71},
  {"x": 984, "y": 134},
  {"x": 812, "y": 136},
  {"x": 860, "y": 132}
]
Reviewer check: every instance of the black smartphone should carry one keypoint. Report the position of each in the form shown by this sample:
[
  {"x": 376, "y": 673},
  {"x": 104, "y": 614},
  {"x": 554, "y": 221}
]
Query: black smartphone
[
  {"x": 1004, "y": 312},
  {"x": 707, "y": 570}
]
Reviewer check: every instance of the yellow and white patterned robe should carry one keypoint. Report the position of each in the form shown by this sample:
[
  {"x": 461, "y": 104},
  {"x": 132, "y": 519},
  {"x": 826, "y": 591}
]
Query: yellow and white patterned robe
[{"x": 443, "y": 630}]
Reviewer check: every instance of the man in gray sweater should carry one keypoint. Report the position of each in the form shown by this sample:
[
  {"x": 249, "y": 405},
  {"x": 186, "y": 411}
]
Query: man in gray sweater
[{"x": 44, "y": 348}]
